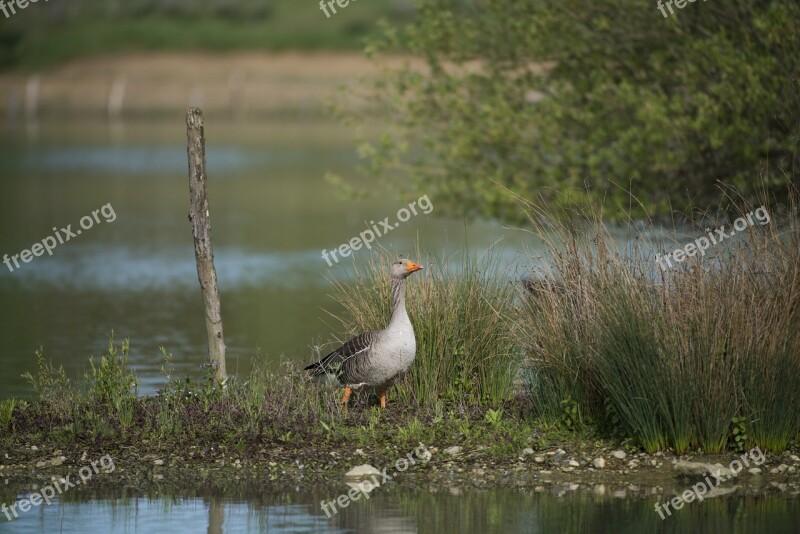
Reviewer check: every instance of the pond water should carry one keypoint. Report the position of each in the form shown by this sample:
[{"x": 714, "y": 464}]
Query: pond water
[
  {"x": 132, "y": 272},
  {"x": 399, "y": 509}
]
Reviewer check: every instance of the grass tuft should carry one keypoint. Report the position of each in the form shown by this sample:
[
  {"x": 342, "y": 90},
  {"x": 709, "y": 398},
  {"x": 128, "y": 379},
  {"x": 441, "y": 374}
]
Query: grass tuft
[{"x": 672, "y": 355}]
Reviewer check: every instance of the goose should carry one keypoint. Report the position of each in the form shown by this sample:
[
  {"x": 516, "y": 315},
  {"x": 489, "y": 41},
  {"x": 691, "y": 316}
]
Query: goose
[{"x": 378, "y": 358}]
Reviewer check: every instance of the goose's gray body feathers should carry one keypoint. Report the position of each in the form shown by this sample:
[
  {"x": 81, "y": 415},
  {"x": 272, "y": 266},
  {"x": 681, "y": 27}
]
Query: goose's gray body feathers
[{"x": 378, "y": 358}]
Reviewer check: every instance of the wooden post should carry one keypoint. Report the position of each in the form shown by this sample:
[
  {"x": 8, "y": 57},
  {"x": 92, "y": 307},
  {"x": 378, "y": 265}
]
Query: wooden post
[{"x": 201, "y": 230}]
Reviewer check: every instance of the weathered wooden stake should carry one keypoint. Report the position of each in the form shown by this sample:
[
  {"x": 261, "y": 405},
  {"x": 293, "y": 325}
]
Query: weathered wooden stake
[{"x": 201, "y": 230}]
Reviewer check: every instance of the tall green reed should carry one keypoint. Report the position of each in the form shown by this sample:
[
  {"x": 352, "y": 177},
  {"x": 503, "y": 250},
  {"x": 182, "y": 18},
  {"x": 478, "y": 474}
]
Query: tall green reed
[{"x": 675, "y": 354}]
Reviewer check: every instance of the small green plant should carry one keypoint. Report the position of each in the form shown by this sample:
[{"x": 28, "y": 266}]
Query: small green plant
[
  {"x": 464, "y": 427},
  {"x": 438, "y": 412},
  {"x": 251, "y": 395},
  {"x": 412, "y": 432},
  {"x": 494, "y": 418},
  {"x": 570, "y": 416},
  {"x": 52, "y": 385},
  {"x": 96, "y": 424},
  {"x": 124, "y": 409},
  {"x": 110, "y": 380},
  {"x": 615, "y": 423},
  {"x": 168, "y": 367},
  {"x": 6, "y": 412},
  {"x": 374, "y": 418},
  {"x": 168, "y": 423},
  {"x": 329, "y": 429},
  {"x": 738, "y": 434},
  {"x": 212, "y": 390}
]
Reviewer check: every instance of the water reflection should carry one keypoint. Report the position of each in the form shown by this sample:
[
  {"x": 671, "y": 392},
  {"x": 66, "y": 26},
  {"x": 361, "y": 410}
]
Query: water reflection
[{"x": 397, "y": 509}]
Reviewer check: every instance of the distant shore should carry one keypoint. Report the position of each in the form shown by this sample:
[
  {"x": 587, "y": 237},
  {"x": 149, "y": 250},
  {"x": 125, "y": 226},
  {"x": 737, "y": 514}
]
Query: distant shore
[{"x": 238, "y": 85}]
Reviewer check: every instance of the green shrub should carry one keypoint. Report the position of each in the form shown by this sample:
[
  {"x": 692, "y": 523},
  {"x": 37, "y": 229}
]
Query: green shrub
[
  {"x": 52, "y": 386},
  {"x": 552, "y": 97},
  {"x": 110, "y": 381}
]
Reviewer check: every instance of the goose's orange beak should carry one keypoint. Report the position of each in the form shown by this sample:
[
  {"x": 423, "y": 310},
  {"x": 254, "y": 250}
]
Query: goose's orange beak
[{"x": 414, "y": 267}]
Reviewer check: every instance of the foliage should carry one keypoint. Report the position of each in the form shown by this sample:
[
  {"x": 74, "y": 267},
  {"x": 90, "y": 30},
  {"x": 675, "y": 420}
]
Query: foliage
[
  {"x": 547, "y": 98},
  {"x": 494, "y": 418},
  {"x": 47, "y": 33},
  {"x": 6, "y": 413},
  {"x": 52, "y": 385},
  {"x": 738, "y": 434},
  {"x": 110, "y": 381},
  {"x": 571, "y": 417}
]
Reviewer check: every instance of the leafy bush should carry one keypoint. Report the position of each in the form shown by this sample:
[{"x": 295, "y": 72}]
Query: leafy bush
[
  {"x": 110, "y": 381},
  {"x": 550, "y": 97}
]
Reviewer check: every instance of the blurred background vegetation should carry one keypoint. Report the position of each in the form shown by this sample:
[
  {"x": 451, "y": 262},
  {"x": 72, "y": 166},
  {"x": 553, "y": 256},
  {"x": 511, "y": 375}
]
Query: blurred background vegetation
[
  {"x": 42, "y": 34},
  {"x": 537, "y": 99},
  {"x": 549, "y": 98}
]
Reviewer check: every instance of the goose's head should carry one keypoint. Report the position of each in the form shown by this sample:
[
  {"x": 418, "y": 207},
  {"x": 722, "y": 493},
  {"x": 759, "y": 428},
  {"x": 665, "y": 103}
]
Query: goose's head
[{"x": 402, "y": 268}]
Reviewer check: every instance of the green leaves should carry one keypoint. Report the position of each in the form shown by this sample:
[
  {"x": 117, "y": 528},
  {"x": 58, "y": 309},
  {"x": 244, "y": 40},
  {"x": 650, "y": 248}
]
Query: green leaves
[
  {"x": 545, "y": 98},
  {"x": 494, "y": 418}
]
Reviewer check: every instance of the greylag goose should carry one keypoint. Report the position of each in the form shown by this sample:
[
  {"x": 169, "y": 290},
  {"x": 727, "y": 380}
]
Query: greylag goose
[{"x": 375, "y": 359}]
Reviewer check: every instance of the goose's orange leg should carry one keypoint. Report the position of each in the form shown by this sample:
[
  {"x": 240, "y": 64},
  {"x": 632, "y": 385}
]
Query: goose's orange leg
[
  {"x": 346, "y": 396},
  {"x": 383, "y": 399}
]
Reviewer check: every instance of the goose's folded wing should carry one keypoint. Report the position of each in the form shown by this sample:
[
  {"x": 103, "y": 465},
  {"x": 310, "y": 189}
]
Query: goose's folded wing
[{"x": 345, "y": 357}]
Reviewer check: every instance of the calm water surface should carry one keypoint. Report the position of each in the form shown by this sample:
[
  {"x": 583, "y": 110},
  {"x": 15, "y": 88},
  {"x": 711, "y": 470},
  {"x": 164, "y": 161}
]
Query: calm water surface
[
  {"x": 398, "y": 509},
  {"x": 272, "y": 214}
]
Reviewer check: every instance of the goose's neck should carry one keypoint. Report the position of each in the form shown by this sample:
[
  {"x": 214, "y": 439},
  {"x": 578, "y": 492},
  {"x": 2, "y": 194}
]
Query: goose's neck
[{"x": 398, "y": 301}]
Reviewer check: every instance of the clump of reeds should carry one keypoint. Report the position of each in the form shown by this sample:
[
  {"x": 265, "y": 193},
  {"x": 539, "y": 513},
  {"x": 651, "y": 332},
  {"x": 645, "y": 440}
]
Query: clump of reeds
[
  {"x": 460, "y": 312},
  {"x": 672, "y": 356}
]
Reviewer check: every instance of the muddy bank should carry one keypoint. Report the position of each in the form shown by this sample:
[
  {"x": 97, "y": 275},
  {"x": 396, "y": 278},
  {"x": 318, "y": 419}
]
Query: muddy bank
[{"x": 602, "y": 470}]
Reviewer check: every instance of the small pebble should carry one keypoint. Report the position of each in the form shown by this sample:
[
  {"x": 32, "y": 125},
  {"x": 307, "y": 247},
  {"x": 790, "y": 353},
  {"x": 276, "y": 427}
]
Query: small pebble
[{"x": 455, "y": 450}]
